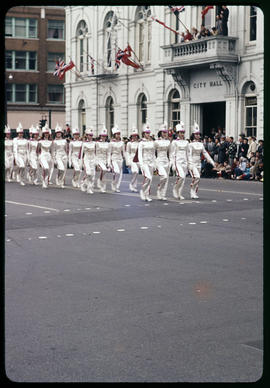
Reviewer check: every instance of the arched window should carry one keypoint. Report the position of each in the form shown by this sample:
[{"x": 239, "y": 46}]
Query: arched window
[
  {"x": 110, "y": 38},
  {"x": 250, "y": 99},
  {"x": 174, "y": 108},
  {"x": 143, "y": 33},
  {"x": 82, "y": 46},
  {"x": 141, "y": 111},
  {"x": 109, "y": 114},
  {"x": 81, "y": 114}
]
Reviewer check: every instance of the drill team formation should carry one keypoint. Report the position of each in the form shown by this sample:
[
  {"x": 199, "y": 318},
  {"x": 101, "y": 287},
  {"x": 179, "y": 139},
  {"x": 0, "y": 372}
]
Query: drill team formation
[{"x": 92, "y": 159}]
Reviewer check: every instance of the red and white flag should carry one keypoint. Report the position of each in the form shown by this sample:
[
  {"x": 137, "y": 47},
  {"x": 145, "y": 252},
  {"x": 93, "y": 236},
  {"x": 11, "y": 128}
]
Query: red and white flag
[
  {"x": 61, "y": 68},
  {"x": 164, "y": 25},
  {"x": 206, "y": 9}
]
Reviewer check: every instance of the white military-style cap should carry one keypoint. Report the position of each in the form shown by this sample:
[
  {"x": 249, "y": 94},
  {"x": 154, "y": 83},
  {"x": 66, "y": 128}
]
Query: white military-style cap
[
  {"x": 115, "y": 130},
  {"x": 134, "y": 131},
  {"x": 58, "y": 128},
  {"x": 31, "y": 128},
  {"x": 19, "y": 128},
  {"x": 103, "y": 131},
  {"x": 34, "y": 130},
  {"x": 164, "y": 127},
  {"x": 196, "y": 128},
  {"x": 89, "y": 131},
  {"x": 180, "y": 127},
  {"x": 146, "y": 128},
  {"x": 7, "y": 129},
  {"x": 46, "y": 129},
  {"x": 75, "y": 131}
]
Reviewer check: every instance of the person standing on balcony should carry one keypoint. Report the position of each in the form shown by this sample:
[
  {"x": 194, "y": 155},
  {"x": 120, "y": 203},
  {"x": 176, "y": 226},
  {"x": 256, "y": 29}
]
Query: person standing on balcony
[{"x": 224, "y": 20}]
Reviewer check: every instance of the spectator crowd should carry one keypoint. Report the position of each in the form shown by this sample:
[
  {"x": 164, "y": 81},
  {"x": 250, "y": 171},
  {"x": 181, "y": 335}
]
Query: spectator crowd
[{"x": 220, "y": 28}]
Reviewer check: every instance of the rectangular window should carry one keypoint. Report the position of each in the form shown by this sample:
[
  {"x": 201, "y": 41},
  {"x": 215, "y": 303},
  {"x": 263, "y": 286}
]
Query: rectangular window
[
  {"x": 51, "y": 60},
  {"x": 81, "y": 55},
  {"x": 56, "y": 94},
  {"x": 21, "y": 27},
  {"x": 9, "y": 60},
  {"x": 251, "y": 116},
  {"x": 149, "y": 40},
  {"x": 141, "y": 41},
  {"x": 253, "y": 23},
  {"x": 21, "y": 60},
  {"x": 56, "y": 29},
  {"x": 21, "y": 93}
]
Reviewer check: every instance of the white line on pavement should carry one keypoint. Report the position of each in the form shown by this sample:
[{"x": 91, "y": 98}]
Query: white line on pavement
[{"x": 27, "y": 204}]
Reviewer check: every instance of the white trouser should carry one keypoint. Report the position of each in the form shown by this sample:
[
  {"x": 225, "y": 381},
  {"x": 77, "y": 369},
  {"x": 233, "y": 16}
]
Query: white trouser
[
  {"x": 61, "y": 163},
  {"x": 163, "y": 169},
  {"x": 181, "y": 171},
  {"x": 45, "y": 161},
  {"x": 9, "y": 163},
  {"x": 117, "y": 173},
  {"x": 76, "y": 163},
  {"x": 147, "y": 171},
  {"x": 195, "y": 171},
  {"x": 134, "y": 171},
  {"x": 20, "y": 160},
  {"x": 101, "y": 179},
  {"x": 90, "y": 172}
]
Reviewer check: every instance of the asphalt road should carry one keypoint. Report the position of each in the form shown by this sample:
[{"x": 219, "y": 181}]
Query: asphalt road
[{"x": 107, "y": 288}]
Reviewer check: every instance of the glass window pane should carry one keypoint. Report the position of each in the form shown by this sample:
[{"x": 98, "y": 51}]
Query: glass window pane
[
  {"x": 248, "y": 117},
  {"x": 56, "y": 29},
  {"x": 255, "y": 116},
  {"x": 56, "y": 94},
  {"x": 32, "y": 28},
  {"x": 32, "y": 93},
  {"x": 9, "y": 92},
  {"x": 8, "y": 26},
  {"x": 52, "y": 59},
  {"x": 20, "y": 27},
  {"x": 20, "y": 93},
  {"x": 32, "y": 60},
  {"x": 20, "y": 60},
  {"x": 8, "y": 59}
]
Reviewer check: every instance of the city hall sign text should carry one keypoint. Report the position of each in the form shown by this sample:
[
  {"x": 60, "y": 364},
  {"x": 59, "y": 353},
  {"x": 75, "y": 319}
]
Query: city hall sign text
[{"x": 198, "y": 85}]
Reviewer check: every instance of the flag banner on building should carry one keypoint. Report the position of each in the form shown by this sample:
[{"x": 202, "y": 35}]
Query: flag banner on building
[
  {"x": 124, "y": 56},
  {"x": 92, "y": 64},
  {"x": 177, "y": 10},
  {"x": 206, "y": 9},
  {"x": 164, "y": 25},
  {"x": 61, "y": 68}
]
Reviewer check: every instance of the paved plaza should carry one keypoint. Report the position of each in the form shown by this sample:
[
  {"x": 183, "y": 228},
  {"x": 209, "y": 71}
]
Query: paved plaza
[{"x": 108, "y": 288}]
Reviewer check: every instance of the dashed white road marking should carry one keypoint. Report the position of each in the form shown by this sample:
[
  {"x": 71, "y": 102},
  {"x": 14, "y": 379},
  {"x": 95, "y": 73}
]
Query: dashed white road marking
[
  {"x": 127, "y": 205},
  {"x": 144, "y": 227},
  {"x": 27, "y": 204},
  {"x": 229, "y": 200},
  {"x": 165, "y": 204},
  {"x": 192, "y": 223},
  {"x": 225, "y": 219},
  {"x": 59, "y": 236},
  {"x": 203, "y": 222},
  {"x": 46, "y": 211},
  {"x": 8, "y": 239},
  {"x": 96, "y": 232},
  {"x": 261, "y": 199},
  {"x": 87, "y": 208},
  {"x": 66, "y": 210},
  {"x": 245, "y": 199},
  {"x": 42, "y": 237},
  {"x": 214, "y": 200},
  {"x": 121, "y": 230},
  {"x": 243, "y": 218},
  {"x": 69, "y": 234},
  {"x": 28, "y": 214}
]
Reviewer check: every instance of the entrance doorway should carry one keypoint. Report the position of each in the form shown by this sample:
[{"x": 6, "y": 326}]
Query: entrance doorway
[{"x": 213, "y": 117}]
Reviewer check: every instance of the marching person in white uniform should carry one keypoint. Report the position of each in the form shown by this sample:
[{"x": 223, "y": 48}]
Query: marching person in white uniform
[
  {"x": 102, "y": 159},
  {"x": 131, "y": 156},
  {"x": 146, "y": 156},
  {"x": 45, "y": 156},
  {"x": 75, "y": 157},
  {"x": 116, "y": 157},
  {"x": 20, "y": 146},
  {"x": 196, "y": 149},
  {"x": 179, "y": 153},
  {"x": 89, "y": 162},
  {"x": 162, "y": 146},
  {"x": 33, "y": 155},
  {"x": 60, "y": 156},
  {"x": 9, "y": 155}
]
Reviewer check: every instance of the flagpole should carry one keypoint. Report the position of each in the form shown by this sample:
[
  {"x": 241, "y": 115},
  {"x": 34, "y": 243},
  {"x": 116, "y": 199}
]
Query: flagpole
[{"x": 141, "y": 66}]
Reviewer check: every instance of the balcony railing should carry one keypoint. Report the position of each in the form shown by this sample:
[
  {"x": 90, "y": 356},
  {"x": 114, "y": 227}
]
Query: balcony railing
[{"x": 198, "y": 52}]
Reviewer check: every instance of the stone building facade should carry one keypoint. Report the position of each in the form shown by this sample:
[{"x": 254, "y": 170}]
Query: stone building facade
[{"x": 217, "y": 81}]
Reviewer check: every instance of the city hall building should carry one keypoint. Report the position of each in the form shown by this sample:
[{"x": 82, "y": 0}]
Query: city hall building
[{"x": 215, "y": 81}]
